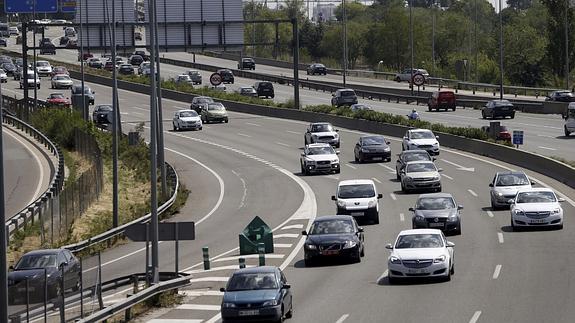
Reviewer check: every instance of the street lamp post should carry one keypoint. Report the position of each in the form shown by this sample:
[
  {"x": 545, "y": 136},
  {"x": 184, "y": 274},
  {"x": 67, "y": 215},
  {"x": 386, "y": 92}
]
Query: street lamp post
[
  {"x": 344, "y": 44},
  {"x": 411, "y": 44},
  {"x": 433, "y": 39},
  {"x": 567, "y": 44},
  {"x": 500, "y": 52}
]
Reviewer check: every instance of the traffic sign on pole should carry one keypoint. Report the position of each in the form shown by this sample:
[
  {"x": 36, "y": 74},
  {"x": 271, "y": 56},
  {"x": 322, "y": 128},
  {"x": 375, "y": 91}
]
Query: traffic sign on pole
[
  {"x": 31, "y": 6},
  {"x": 68, "y": 6},
  {"x": 518, "y": 137},
  {"x": 418, "y": 79}
]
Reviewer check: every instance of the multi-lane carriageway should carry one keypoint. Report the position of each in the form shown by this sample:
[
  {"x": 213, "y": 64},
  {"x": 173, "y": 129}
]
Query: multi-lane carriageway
[{"x": 251, "y": 167}]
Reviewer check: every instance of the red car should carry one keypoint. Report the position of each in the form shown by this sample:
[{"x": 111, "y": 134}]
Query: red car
[
  {"x": 59, "y": 70},
  {"x": 441, "y": 100},
  {"x": 58, "y": 99},
  {"x": 85, "y": 56}
]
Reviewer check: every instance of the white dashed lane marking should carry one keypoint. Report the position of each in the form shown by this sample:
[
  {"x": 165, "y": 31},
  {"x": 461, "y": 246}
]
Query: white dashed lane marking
[
  {"x": 253, "y": 124},
  {"x": 342, "y": 318},
  {"x": 244, "y": 135},
  {"x": 376, "y": 180},
  {"x": 475, "y": 317},
  {"x": 500, "y": 237},
  {"x": 497, "y": 271},
  {"x": 199, "y": 307},
  {"x": 393, "y": 197},
  {"x": 472, "y": 193},
  {"x": 490, "y": 214},
  {"x": 351, "y": 166},
  {"x": 293, "y": 226},
  {"x": 447, "y": 176},
  {"x": 401, "y": 217},
  {"x": 282, "y": 144}
]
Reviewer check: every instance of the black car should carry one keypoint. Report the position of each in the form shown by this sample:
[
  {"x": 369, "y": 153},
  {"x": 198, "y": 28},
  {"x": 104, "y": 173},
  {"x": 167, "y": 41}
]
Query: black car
[
  {"x": 32, "y": 267},
  {"x": 265, "y": 89},
  {"x": 247, "y": 63},
  {"x": 142, "y": 53},
  {"x": 77, "y": 92},
  {"x": 102, "y": 114},
  {"x": 5, "y": 59},
  {"x": 200, "y": 101},
  {"x": 44, "y": 41},
  {"x": 47, "y": 48},
  {"x": 227, "y": 76},
  {"x": 64, "y": 40},
  {"x": 3, "y": 42},
  {"x": 372, "y": 147},
  {"x": 136, "y": 60},
  {"x": 9, "y": 68},
  {"x": 316, "y": 68},
  {"x": 561, "y": 96},
  {"x": 257, "y": 294},
  {"x": 333, "y": 236},
  {"x": 498, "y": 108},
  {"x": 343, "y": 97},
  {"x": 410, "y": 155},
  {"x": 126, "y": 69}
]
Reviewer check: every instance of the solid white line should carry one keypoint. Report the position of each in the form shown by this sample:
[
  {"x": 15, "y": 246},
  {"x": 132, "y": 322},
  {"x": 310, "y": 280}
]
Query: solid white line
[
  {"x": 475, "y": 317},
  {"x": 197, "y": 293},
  {"x": 245, "y": 187},
  {"x": 447, "y": 176},
  {"x": 268, "y": 255},
  {"x": 283, "y": 245},
  {"x": 542, "y": 147},
  {"x": 497, "y": 271},
  {"x": 546, "y": 136},
  {"x": 500, "y": 237},
  {"x": 286, "y": 235},
  {"x": 376, "y": 180},
  {"x": 214, "y": 319},
  {"x": 351, "y": 166},
  {"x": 199, "y": 307},
  {"x": 472, "y": 193},
  {"x": 393, "y": 197},
  {"x": 253, "y": 124},
  {"x": 401, "y": 217},
  {"x": 209, "y": 279},
  {"x": 384, "y": 274},
  {"x": 174, "y": 321},
  {"x": 293, "y": 226},
  {"x": 490, "y": 214},
  {"x": 230, "y": 267},
  {"x": 294, "y": 132},
  {"x": 244, "y": 135},
  {"x": 342, "y": 318},
  {"x": 282, "y": 144}
]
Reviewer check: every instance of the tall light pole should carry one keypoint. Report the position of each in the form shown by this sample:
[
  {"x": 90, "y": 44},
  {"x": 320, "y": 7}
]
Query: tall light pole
[
  {"x": 411, "y": 44},
  {"x": 500, "y": 52},
  {"x": 476, "y": 49},
  {"x": 344, "y": 44},
  {"x": 567, "y": 44},
  {"x": 433, "y": 8},
  {"x": 3, "y": 247}
]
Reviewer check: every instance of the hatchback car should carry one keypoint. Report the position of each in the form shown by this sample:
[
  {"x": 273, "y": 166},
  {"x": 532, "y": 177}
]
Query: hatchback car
[
  {"x": 9, "y": 68},
  {"x": 405, "y": 75},
  {"x": 321, "y": 132},
  {"x": 257, "y": 294},
  {"x": 264, "y": 89},
  {"x": 343, "y": 97},
  {"x": 319, "y": 158},
  {"x": 58, "y": 70},
  {"x": 498, "y": 109},
  {"x": 95, "y": 62},
  {"x": 316, "y": 68},
  {"x": 214, "y": 111},
  {"x": 76, "y": 90},
  {"x": 186, "y": 119},
  {"x": 333, "y": 236},
  {"x": 437, "y": 211},
  {"x": 30, "y": 80},
  {"x": 372, "y": 148},
  {"x": 441, "y": 100},
  {"x": 420, "y": 175},
  {"x": 58, "y": 99},
  {"x": 195, "y": 76},
  {"x": 227, "y": 76},
  {"x": 561, "y": 96},
  {"x": 358, "y": 198},
  {"x": 135, "y": 60},
  {"x": 247, "y": 63},
  {"x": 505, "y": 186},
  {"x": 184, "y": 79},
  {"x": 420, "y": 253},
  {"x": 407, "y": 156},
  {"x": 47, "y": 48},
  {"x": 200, "y": 101},
  {"x": 247, "y": 91},
  {"x": 536, "y": 207},
  {"x": 126, "y": 69},
  {"x": 103, "y": 114},
  {"x": 32, "y": 266},
  {"x": 423, "y": 139},
  {"x": 43, "y": 68}
]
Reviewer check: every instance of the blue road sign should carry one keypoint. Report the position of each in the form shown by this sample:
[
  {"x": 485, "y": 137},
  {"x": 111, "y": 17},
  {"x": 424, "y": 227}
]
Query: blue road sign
[
  {"x": 518, "y": 137},
  {"x": 31, "y": 6},
  {"x": 68, "y": 6}
]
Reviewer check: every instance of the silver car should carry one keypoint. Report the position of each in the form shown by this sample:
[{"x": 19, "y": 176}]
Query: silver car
[
  {"x": 405, "y": 75},
  {"x": 322, "y": 132},
  {"x": 195, "y": 76},
  {"x": 437, "y": 211},
  {"x": 420, "y": 175},
  {"x": 61, "y": 81},
  {"x": 3, "y": 76},
  {"x": 505, "y": 186}
]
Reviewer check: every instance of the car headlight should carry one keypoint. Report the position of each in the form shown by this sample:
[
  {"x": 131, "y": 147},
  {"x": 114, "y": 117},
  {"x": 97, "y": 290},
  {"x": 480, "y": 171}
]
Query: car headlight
[
  {"x": 436, "y": 178},
  {"x": 349, "y": 244},
  {"x": 519, "y": 212},
  {"x": 335, "y": 161},
  {"x": 272, "y": 302},
  {"x": 408, "y": 179},
  {"x": 387, "y": 149},
  {"x": 371, "y": 203},
  {"x": 439, "y": 259},
  {"x": 228, "y": 305},
  {"x": 310, "y": 246},
  {"x": 452, "y": 217},
  {"x": 419, "y": 218},
  {"x": 364, "y": 150},
  {"x": 340, "y": 203},
  {"x": 556, "y": 211},
  {"x": 499, "y": 194},
  {"x": 394, "y": 260},
  {"x": 309, "y": 161}
]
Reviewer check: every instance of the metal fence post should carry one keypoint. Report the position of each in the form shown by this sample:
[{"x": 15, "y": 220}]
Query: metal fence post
[
  {"x": 62, "y": 296},
  {"x": 206, "y": 257},
  {"x": 262, "y": 253},
  {"x": 242, "y": 262}
]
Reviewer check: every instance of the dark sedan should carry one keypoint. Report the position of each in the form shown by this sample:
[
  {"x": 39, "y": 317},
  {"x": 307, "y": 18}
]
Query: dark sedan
[
  {"x": 227, "y": 76},
  {"x": 9, "y": 68},
  {"x": 410, "y": 155},
  {"x": 34, "y": 265},
  {"x": 257, "y": 294},
  {"x": 126, "y": 69},
  {"x": 136, "y": 60},
  {"x": 372, "y": 147},
  {"x": 498, "y": 108},
  {"x": 316, "y": 68},
  {"x": 561, "y": 96},
  {"x": 333, "y": 236},
  {"x": 100, "y": 114},
  {"x": 200, "y": 101},
  {"x": 437, "y": 211}
]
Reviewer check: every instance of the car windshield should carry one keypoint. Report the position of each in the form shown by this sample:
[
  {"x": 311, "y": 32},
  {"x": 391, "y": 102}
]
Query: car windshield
[
  {"x": 204, "y": 100},
  {"x": 356, "y": 191},
  {"x": 422, "y": 135},
  {"x": 246, "y": 90},
  {"x": 416, "y": 156},
  {"x": 536, "y": 197},
  {"x": 62, "y": 77},
  {"x": 36, "y": 261},
  {"x": 435, "y": 203},
  {"x": 419, "y": 241},
  {"x": 327, "y": 150},
  {"x": 566, "y": 93},
  {"x": 321, "y": 128},
  {"x": 41, "y": 64},
  {"x": 512, "y": 180},
  {"x": 187, "y": 114},
  {"x": 57, "y": 96},
  {"x": 373, "y": 141},
  {"x": 331, "y": 227},
  {"x": 421, "y": 167},
  {"x": 347, "y": 93},
  {"x": 103, "y": 108},
  {"x": 251, "y": 281},
  {"x": 215, "y": 107}
]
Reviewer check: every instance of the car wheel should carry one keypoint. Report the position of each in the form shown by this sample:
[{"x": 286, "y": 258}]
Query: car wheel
[
  {"x": 567, "y": 132},
  {"x": 308, "y": 262},
  {"x": 403, "y": 188},
  {"x": 289, "y": 314},
  {"x": 458, "y": 230},
  {"x": 448, "y": 277},
  {"x": 429, "y": 108},
  {"x": 453, "y": 109},
  {"x": 375, "y": 218},
  {"x": 391, "y": 280},
  {"x": 483, "y": 115},
  {"x": 226, "y": 121},
  {"x": 76, "y": 286},
  {"x": 513, "y": 227},
  {"x": 512, "y": 116},
  {"x": 355, "y": 158},
  {"x": 493, "y": 206},
  {"x": 357, "y": 258},
  {"x": 360, "y": 158},
  {"x": 174, "y": 126},
  {"x": 362, "y": 254},
  {"x": 397, "y": 79},
  {"x": 438, "y": 189},
  {"x": 397, "y": 176},
  {"x": 337, "y": 171}
]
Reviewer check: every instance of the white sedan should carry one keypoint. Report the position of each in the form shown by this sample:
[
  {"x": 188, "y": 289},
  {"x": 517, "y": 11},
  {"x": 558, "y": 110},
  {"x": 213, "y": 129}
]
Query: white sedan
[
  {"x": 536, "y": 207},
  {"x": 423, "y": 139},
  {"x": 186, "y": 119},
  {"x": 420, "y": 253}
]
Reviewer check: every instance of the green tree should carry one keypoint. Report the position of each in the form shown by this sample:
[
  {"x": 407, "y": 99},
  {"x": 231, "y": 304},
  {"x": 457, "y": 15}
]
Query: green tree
[{"x": 524, "y": 49}]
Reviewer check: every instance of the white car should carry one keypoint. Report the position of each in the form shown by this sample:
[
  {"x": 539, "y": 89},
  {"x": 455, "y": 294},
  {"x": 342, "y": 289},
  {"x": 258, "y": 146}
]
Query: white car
[
  {"x": 186, "y": 119},
  {"x": 43, "y": 68},
  {"x": 61, "y": 81},
  {"x": 322, "y": 132},
  {"x": 420, "y": 175},
  {"x": 405, "y": 75},
  {"x": 420, "y": 253},
  {"x": 505, "y": 186},
  {"x": 3, "y": 76},
  {"x": 569, "y": 116},
  {"x": 536, "y": 207},
  {"x": 358, "y": 198},
  {"x": 421, "y": 139},
  {"x": 319, "y": 158}
]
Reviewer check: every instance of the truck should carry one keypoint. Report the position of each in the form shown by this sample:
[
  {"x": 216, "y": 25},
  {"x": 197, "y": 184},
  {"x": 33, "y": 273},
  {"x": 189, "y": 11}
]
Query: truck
[{"x": 569, "y": 117}]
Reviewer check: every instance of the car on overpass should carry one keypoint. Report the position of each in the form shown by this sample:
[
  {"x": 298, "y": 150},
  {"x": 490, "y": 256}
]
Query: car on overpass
[
  {"x": 343, "y": 97},
  {"x": 420, "y": 175},
  {"x": 569, "y": 116},
  {"x": 421, "y": 139},
  {"x": 505, "y": 186},
  {"x": 319, "y": 158},
  {"x": 195, "y": 76},
  {"x": 316, "y": 68},
  {"x": 372, "y": 148},
  {"x": 437, "y": 211},
  {"x": 336, "y": 236},
  {"x": 561, "y": 96},
  {"x": 321, "y": 132},
  {"x": 536, "y": 207},
  {"x": 358, "y": 198},
  {"x": 498, "y": 109},
  {"x": 186, "y": 119},
  {"x": 406, "y": 74},
  {"x": 410, "y": 155},
  {"x": 420, "y": 253},
  {"x": 227, "y": 75},
  {"x": 247, "y": 63}
]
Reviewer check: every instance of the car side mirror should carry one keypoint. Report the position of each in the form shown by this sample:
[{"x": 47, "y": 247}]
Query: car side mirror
[
  {"x": 450, "y": 244},
  {"x": 511, "y": 201},
  {"x": 336, "y": 130},
  {"x": 387, "y": 142},
  {"x": 433, "y": 159},
  {"x": 333, "y": 94},
  {"x": 405, "y": 138},
  {"x": 286, "y": 286},
  {"x": 333, "y": 198},
  {"x": 303, "y": 154},
  {"x": 337, "y": 152},
  {"x": 402, "y": 171},
  {"x": 560, "y": 199},
  {"x": 64, "y": 264},
  {"x": 460, "y": 207},
  {"x": 304, "y": 233},
  {"x": 436, "y": 137},
  {"x": 11, "y": 267},
  {"x": 389, "y": 246},
  {"x": 379, "y": 196},
  {"x": 490, "y": 184},
  {"x": 359, "y": 229},
  {"x": 222, "y": 289},
  {"x": 440, "y": 169},
  {"x": 412, "y": 209}
]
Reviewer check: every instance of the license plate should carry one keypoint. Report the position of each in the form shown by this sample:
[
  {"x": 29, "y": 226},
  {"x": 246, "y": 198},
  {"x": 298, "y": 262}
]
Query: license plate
[
  {"x": 504, "y": 109},
  {"x": 435, "y": 225},
  {"x": 538, "y": 221},
  {"x": 416, "y": 271},
  {"x": 356, "y": 213},
  {"x": 249, "y": 312},
  {"x": 330, "y": 252},
  {"x": 377, "y": 158}
]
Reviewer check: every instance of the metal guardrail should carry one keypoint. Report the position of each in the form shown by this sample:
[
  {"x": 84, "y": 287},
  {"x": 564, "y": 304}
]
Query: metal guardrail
[
  {"x": 34, "y": 209},
  {"x": 171, "y": 172}
]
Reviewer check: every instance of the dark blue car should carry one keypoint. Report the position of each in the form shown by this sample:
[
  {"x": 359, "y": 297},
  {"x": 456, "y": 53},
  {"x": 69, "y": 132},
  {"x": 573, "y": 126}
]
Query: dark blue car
[{"x": 257, "y": 294}]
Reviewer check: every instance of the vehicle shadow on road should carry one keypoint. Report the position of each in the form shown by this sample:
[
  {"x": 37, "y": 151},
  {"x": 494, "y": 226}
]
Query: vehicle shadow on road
[
  {"x": 565, "y": 137},
  {"x": 324, "y": 263},
  {"x": 384, "y": 281},
  {"x": 508, "y": 228}
]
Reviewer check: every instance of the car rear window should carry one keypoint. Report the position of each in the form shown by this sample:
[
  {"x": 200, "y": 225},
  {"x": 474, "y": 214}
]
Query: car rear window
[
  {"x": 446, "y": 94},
  {"x": 266, "y": 85},
  {"x": 347, "y": 93}
]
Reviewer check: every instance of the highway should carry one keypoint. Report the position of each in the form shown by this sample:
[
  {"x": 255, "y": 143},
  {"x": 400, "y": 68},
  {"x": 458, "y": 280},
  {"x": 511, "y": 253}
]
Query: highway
[{"x": 251, "y": 167}]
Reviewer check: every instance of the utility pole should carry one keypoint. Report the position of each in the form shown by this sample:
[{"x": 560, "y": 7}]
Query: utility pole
[
  {"x": 344, "y": 44},
  {"x": 476, "y": 47},
  {"x": 295, "y": 63},
  {"x": 160, "y": 129},
  {"x": 411, "y": 44},
  {"x": 567, "y": 44},
  {"x": 433, "y": 38},
  {"x": 3, "y": 236},
  {"x": 500, "y": 52},
  {"x": 85, "y": 112},
  {"x": 115, "y": 122}
]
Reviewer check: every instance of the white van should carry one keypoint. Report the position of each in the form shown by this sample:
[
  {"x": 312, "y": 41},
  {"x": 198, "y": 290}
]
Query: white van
[
  {"x": 358, "y": 198},
  {"x": 569, "y": 119}
]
